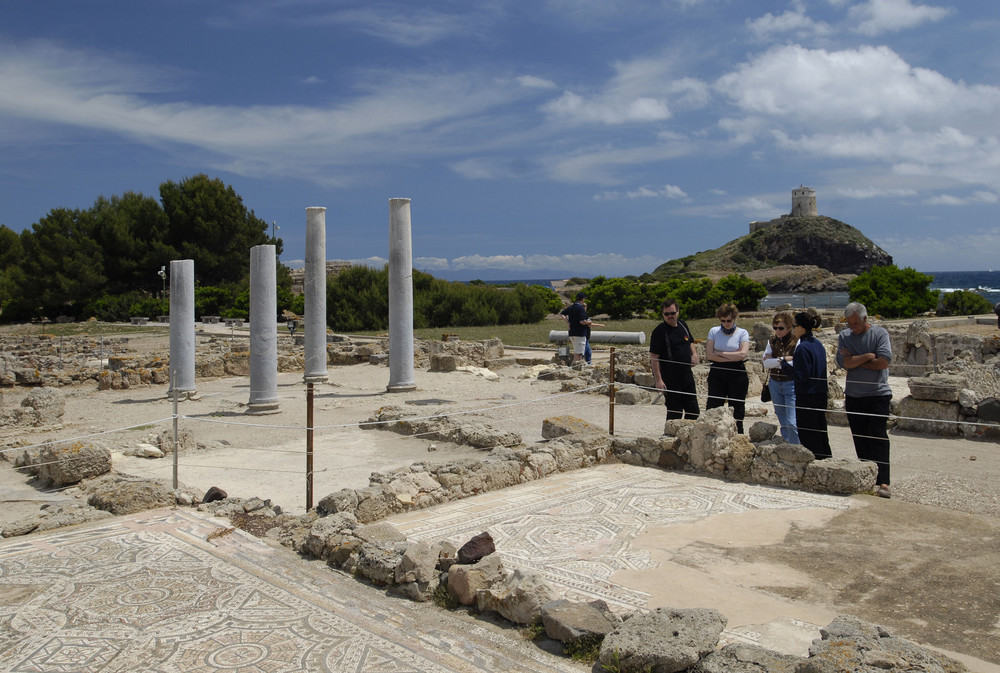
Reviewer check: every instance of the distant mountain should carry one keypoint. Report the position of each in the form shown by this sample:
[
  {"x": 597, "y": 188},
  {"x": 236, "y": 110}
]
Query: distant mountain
[{"x": 808, "y": 254}]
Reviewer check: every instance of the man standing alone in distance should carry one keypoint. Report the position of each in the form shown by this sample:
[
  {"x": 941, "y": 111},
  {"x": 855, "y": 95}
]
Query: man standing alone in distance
[
  {"x": 672, "y": 354},
  {"x": 863, "y": 350},
  {"x": 579, "y": 325}
]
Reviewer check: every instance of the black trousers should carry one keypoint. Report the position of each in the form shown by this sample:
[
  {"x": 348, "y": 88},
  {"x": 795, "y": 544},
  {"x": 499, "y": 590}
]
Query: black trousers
[
  {"x": 681, "y": 395},
  {"x": 810, "y": 417},
  {"x": 728, "y": 382},
  {"x": 867, "y": 417}
]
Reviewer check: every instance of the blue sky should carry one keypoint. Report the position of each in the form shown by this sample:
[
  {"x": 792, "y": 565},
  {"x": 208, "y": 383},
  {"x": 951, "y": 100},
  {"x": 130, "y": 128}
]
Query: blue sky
[{"x": 585, "y": 136}]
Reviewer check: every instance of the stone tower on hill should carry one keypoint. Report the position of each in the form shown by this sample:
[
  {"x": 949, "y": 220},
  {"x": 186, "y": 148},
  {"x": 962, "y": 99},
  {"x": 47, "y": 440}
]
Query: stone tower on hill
[
  {"x": 803, "y": 205},
  {"x": 804, "y": 202}
]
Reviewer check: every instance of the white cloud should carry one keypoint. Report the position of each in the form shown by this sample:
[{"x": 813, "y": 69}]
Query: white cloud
[
  {"x": 872, "y": 192},
  {"x": 642, "y": 90},
  {"x": 606, "y": 110},
  {"x": 611, "y": 264},
  {"x": 875, "y": 17},
  {"x": 313, "y": 79},
  {"x": 665, "y": 192},
  {"x": 976, "y": 198},
  {"x": 408, "y": 25},
  {"x": 48, "y": 84},
  {"x": 793, "y": 20},
  {"x": 431, "y": 263},
  {"x": 532, "y": 82},
  {"x": 867, "y": 85}
]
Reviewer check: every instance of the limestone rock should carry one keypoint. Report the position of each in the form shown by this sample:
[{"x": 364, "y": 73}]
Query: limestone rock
[
  {"x": 663, "y": 640},
  {"x": 849, "y": 644},
  {"x": 46, "y": 406},
  {"x": 569, "y": 621},
  {"x": 465, "y": 581},
  {"x": 740, "y": 658},
  {"x": 936, "y": 387},
  {"x": 781, "y": 464},
  {"x": 418, "y": 564},
  {"x": 128, "y": 496},
  {"x": 762, "y": 431},
  {"x": 62, "y": 464},
  {"x": 840, "y": 476},
  {"x": 378, "y": 563},
  {"x": 559, "y": 426},
  {"x": 926, "y": 416},
  {"x": 519, "y": 597}
]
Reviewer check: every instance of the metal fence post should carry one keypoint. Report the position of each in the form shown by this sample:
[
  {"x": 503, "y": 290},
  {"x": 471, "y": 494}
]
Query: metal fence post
[
  {"x": 611, "y": 395},
  {"x": 309, "y": 446}
]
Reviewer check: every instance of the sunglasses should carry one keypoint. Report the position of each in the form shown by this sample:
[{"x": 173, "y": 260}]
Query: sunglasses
[
  {"x": 670, "y": 313},
  {"x": 725, "y": 319},
  {"x": 777, "y": 327}
]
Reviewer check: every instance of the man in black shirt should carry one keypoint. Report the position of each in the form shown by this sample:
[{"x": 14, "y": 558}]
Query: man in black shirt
[
  {"x": 672, "y": 354},
  {"x": 579, "y": 325}
]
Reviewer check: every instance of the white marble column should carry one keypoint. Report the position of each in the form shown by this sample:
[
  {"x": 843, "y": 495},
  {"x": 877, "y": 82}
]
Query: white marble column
[
  {"x": 263, "y": 331},
  {"x": 315, "y": 295},
  {"x": 400, "y": 298},
  {"x": 182, "y": 328}
]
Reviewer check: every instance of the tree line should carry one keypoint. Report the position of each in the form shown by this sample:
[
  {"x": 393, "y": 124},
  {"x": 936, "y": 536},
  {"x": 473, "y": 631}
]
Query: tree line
[{"x": 103, "y": 262}]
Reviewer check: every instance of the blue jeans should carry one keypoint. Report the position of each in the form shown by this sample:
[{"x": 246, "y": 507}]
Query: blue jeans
[
  {"x": 587, "y": 353},
  {"x": 783, "y": 398}
]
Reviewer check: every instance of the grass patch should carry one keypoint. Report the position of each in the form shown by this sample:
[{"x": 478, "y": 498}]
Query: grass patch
[
  {"x": 585, "y": 650},
  {"x": 443, "y": 599},
  {"x": 533, "y": 631}
]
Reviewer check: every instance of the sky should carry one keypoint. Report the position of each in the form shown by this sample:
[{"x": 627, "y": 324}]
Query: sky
[{"x": 536, "y": 137}]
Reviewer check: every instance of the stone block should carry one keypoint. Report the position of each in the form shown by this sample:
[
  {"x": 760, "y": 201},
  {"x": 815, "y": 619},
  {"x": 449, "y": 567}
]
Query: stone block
[
  {"x": 519, "y": 597},
  {"x": 840, "y": 476},
  {"x": 663, "y": 640},
  {"x": 64, "y": 464},
  {"x": 465, "y": 581},
  {"x": 570, "y": 622},
  {"x": 929, "y": 417},
  {"x": 937, "y": 387}
]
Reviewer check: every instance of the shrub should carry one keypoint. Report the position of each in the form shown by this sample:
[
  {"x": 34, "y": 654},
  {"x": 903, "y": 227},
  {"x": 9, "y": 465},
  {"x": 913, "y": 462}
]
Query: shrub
[
  {"x": 893, "y": 292},
  {"x": 963, "y": 302}
]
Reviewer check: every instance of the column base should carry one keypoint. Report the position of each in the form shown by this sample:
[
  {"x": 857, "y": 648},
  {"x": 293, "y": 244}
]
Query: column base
[
  {"x": 262, "y": 408},
  {"x": 316, "y": 378},
  {"x": 400, "y": 387}
]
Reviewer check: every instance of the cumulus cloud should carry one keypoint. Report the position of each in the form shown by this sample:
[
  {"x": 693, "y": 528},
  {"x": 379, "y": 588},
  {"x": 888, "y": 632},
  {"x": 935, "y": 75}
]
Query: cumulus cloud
[
  {"x": 793, "y": 20},
  {"x": 848, "y": 87},
  {"x": 875, "y": 17}
]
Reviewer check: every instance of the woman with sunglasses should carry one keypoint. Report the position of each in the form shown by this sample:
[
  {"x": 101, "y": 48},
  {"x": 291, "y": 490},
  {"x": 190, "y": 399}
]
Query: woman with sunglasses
[
  {"x": 780, "y": 384},
  {"x": 807, "y": 367},
  {"x": 726, "y": 348}
]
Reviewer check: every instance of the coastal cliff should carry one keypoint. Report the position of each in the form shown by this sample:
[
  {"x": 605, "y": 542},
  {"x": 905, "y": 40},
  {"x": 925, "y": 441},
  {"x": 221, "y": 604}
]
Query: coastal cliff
[{"x": 787, "y": 254}]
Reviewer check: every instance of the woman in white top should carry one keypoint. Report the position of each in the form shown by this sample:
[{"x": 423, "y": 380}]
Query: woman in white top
[{"x": 726, "y": 348}]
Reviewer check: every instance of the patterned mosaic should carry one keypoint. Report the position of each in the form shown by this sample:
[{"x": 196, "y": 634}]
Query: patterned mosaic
[
  {"x": 576, "y": 528},
  {"x": 158, "y": 592}
]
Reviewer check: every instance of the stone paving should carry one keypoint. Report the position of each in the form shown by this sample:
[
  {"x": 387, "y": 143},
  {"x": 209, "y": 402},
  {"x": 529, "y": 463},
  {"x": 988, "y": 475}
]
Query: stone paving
[{"x": 174, "y": 591}]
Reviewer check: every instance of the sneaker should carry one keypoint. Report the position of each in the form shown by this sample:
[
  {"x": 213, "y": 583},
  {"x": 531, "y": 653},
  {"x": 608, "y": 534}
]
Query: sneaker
[{"x": 883, "y": 491}]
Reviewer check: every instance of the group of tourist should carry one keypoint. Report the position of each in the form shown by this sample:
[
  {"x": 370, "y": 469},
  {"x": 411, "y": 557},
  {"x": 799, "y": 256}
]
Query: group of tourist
[{"x": 797, "y": 377}]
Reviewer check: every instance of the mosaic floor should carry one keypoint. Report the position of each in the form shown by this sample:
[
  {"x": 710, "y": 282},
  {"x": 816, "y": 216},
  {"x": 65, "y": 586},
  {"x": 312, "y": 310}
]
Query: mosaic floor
[
  {"x": 162, "y": 592},
  {"x": 577, "y": 528}
]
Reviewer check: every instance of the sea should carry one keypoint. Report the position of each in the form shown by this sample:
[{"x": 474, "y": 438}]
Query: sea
[{"x": 986, "y": 283}]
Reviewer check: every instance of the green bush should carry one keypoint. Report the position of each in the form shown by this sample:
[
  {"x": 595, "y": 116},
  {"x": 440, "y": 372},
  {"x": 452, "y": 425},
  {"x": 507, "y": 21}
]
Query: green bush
[
  {"x": 698, "y": 298},
  {"x": 893, "y": 292},
  {"x": 963, "y": 302}
]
